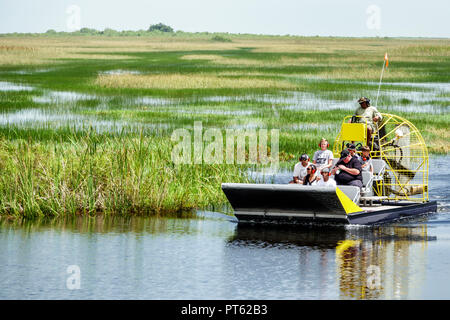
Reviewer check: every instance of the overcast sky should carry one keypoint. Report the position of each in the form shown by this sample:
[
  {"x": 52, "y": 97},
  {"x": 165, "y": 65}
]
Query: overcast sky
[{"x": 413, "y": 18}]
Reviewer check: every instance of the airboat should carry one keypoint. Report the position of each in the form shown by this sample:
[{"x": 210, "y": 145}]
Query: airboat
[{"x": 397, "y": 188}]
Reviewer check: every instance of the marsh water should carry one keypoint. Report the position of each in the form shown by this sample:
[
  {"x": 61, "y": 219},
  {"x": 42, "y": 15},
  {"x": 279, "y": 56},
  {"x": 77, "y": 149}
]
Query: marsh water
[
  {"x": 59, "y": 109},
  {"x": 209, "y": 256}
]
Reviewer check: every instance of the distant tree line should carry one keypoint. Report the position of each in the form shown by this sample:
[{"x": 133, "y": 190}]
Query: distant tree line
[
  {"x": 158, "y": 29},
  {"x": 154, "y": 29}
]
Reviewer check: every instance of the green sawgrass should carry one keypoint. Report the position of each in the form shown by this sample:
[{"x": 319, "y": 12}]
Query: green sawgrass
[{"x": 90, "y": 174}]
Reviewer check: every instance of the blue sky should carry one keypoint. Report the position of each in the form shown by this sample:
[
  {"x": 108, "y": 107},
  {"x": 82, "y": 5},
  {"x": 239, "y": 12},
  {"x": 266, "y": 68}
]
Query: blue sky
[{"x": 413, "y": 18}]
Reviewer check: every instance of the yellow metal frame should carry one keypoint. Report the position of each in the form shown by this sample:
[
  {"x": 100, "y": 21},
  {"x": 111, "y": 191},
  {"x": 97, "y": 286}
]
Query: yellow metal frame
[
  {"x": 350, "y": 132},
  {"x": 399, "y": 182},
  {"x": 353, "y": 131}
]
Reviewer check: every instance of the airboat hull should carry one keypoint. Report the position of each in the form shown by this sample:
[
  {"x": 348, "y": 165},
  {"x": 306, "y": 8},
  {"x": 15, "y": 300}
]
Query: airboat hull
[
  {"x": 392, "y": 212},
  {"x": 272, "y": 203}
]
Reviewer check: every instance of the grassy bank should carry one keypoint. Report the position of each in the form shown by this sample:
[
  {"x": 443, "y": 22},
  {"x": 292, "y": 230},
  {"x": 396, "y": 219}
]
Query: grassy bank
[{"x": 86, "y": 120}]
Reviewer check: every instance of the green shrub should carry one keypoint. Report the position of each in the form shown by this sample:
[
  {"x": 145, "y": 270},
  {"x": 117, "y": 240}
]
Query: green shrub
[
  {"x": 160, "y": 27},
  {"x": 220, "y": 39}
]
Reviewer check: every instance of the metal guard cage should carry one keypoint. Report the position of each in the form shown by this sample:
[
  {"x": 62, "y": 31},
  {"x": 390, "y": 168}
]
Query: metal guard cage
[{"x": 399, "y": 143}]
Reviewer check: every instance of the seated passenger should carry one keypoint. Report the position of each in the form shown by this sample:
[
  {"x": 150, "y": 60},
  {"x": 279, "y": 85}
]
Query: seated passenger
[
  {"x": 352, "y": 149},
  {"x": 311, "y": 178},
  {"x": 366, "y": 160},
  {"x": 300, "y": 169},
  {"x": 323, "y": 158},
  {"x": 348, "y": 170},
  {"x": 326, "y": 181}
]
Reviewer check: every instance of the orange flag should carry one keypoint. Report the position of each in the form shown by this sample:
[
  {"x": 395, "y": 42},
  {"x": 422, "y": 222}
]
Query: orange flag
[{"x": 386, "y": 60}]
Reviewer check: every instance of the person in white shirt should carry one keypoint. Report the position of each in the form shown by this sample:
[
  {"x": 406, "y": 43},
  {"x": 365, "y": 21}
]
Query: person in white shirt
[
  {"x": 300, "y": 169},
  {"x": 323, "y": 158},
  {"x": 326, "y": 181}
]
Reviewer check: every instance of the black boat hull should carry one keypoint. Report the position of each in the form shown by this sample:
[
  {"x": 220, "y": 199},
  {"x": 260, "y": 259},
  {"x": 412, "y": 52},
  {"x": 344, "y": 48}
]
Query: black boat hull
[
  {"x": 400, "y": 211},
  {"x": 313, "y": 205},
  {"x": 364, "y": 218}
]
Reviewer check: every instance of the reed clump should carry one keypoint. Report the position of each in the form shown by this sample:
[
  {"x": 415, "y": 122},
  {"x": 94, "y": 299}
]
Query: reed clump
[
  {"x": 92, "y": 174},
  {"x": 187, "y": 81}
]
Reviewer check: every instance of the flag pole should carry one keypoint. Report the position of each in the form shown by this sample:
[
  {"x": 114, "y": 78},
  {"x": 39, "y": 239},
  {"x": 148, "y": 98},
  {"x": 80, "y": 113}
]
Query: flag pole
[{"x": 379, "y": 85}]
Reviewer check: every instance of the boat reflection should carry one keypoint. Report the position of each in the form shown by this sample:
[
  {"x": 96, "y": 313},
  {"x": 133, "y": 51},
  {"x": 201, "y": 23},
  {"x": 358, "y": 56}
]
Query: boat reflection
[{"x": 385, "y": 262}]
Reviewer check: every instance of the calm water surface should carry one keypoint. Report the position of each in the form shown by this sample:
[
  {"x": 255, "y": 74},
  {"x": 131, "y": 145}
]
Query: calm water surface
[{"x": 213, "y": 257}]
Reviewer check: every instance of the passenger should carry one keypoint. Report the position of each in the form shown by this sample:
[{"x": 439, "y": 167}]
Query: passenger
[
  {"x": 352, "y": 149},
  {"x": 300, "y": 169},
  {"x": 326, "y": 181},
  {"x": 323, "y": 158},
  {"x": 311, "y": 178},
  {"x": 369, "y": 114},
  {"x": 349, "y": 170},
  {"x": 366, "y": 160}
]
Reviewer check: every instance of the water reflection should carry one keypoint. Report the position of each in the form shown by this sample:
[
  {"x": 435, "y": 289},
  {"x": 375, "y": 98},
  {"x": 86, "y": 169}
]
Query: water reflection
[
  {"x": 369, "y": 263},
  {"x": 390, "y": 265},
  {"x": 119, "y": 258},
  {"x": 9, "y": 86},
  {"x": 64, "y": 119},
  {"x": 103, "y": 224}
]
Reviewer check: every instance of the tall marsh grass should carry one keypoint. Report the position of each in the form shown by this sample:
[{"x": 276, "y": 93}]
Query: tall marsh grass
[
  {"x": 186, "y": 81},
  {"x": 92, "y": 173}
]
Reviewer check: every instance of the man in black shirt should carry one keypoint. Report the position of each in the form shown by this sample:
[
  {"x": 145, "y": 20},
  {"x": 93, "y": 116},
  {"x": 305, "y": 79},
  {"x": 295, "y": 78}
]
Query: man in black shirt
[{"x": 349, "y": 170}]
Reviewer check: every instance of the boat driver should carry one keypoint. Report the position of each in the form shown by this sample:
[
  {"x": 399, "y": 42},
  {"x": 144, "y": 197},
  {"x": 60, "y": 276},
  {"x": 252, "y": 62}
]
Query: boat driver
[
  {"x": 365, "y": 113},
  {"x": 348, "y": 170}
]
